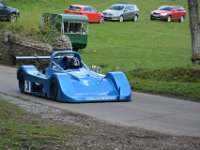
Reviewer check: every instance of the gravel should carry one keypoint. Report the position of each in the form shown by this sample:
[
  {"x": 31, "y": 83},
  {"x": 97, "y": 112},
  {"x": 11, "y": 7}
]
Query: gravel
[{"x": 105, "y": 136}]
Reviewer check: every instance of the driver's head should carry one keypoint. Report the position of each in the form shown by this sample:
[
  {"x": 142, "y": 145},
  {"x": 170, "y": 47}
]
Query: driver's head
[
  {"x": 75, "y": 62},
  {"x": 65, "y": 59}
]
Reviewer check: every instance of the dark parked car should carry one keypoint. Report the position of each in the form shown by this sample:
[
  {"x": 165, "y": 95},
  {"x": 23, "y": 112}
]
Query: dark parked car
[
  {"x": 121, "y": 12},
  {"x": 169, "y": 13},
  {"x": 8, "y": 13}
]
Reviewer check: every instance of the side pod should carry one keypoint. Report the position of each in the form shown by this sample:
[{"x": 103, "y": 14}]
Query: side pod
[
  {"x": 121, "y": 83},
  {"x": 66, "y": 89}
]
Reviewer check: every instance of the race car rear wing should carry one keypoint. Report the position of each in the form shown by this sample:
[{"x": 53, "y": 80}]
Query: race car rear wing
[
  {"x": 32, "y": 57},
  {"x": 55, "y": 55}
]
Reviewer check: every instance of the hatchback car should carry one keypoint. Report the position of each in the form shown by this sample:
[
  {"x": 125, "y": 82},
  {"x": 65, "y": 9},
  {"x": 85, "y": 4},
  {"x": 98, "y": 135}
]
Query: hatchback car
[
  {"x": 8, "y": 13},
  {"x": 89, "y": 11},
  {"x": 121, "y": 12},
  {"x": 169, "y": 13}
]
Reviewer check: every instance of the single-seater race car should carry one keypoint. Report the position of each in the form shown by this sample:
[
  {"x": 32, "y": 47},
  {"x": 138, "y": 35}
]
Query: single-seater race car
[{"x": 68, "y": 79}]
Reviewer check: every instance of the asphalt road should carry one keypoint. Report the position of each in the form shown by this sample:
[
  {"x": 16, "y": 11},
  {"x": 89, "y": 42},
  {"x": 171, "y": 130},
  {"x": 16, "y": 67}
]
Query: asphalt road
[{"x": 150, "y": 112}]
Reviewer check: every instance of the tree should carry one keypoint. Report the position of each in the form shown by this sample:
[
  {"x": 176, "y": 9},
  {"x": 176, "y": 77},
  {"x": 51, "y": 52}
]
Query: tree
[{"x": 195, "y": 30}]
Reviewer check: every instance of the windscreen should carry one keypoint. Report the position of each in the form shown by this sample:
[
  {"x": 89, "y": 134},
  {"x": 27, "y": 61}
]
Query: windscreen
[
  {"x": 165, "y": 8},
  {"x": 116, "y": 7},
  {"x": 74, "y": 8},
  {"x": 75, "y": 27}
]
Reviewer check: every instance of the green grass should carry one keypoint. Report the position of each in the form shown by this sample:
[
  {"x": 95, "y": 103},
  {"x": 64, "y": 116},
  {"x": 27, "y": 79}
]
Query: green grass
[
  {"x": 21, "y": 131},
  {"x": 177, "y": 82},
  {"x": 188, "y": 91},
  {"x": 126, "y": 46}
]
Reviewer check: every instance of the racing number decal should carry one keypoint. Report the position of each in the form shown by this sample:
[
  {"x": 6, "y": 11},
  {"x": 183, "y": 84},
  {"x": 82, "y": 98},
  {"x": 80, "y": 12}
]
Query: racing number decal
[{"x": 27, "y": 86}]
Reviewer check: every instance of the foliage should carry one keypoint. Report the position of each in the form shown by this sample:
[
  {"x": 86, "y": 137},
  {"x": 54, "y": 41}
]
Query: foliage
[{"x": 48, "y": 36}]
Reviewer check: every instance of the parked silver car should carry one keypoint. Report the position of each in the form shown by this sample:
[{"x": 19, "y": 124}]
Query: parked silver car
[{"x": 121, "y": 12}]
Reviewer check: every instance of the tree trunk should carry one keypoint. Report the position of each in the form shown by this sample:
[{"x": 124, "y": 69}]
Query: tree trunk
[{"x": 195, "y": 30}]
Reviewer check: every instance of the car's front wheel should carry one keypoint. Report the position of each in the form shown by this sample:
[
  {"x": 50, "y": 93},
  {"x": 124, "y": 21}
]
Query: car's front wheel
[
  {"x": 135, "y": 18},
  {"x": 121, "y": 19},
  {"x": 169, "y": 19},
  {"x": 101, "y": 20},
  {"x": 182, "y": 19},
  {"x": 21, "y": 82},
  {"x": 53, "y": 89},
  {"x": 13, "y": 17}
]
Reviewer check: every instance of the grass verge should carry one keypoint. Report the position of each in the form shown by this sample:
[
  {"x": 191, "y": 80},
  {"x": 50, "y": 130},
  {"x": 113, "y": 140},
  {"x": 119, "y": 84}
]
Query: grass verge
[
  {"x": 176, "y": 82},
  {"x": 21, "y": 131}
]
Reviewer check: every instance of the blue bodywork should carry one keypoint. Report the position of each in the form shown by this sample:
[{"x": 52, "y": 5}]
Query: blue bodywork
[{"x": 77, "y": 84}]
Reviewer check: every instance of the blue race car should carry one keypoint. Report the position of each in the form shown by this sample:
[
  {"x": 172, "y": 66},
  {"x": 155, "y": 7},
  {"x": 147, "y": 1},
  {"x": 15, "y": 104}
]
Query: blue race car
[{"x": 68, "y": 79}]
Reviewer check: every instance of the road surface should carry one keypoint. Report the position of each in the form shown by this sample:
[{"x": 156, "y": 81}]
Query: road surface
[{"x": 150, "y": 112}]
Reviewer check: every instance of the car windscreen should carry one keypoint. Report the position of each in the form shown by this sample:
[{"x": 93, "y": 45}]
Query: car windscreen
[
  {"x": 74, "y": 8},
  {"x": 93, "y": 9},
  {"x": 1, "y": 5},
  {"x": 75, "y": 27},
  {"x": 165, "y": 8},
  {"x": 116, "y": 7}
]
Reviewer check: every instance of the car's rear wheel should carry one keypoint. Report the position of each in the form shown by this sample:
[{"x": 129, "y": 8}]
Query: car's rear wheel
[
  {"x": 121, "y": 19},
  {"x": 169, "y": 19},
  {"x": 182, "y": 19},
  {"x": 21, "y": 82},
  {"x": 135, "y": 18},
  {"x": 53, "y": 89},
  {"x": 101, "y": 20},
  {"x": 13, "y": 17}
]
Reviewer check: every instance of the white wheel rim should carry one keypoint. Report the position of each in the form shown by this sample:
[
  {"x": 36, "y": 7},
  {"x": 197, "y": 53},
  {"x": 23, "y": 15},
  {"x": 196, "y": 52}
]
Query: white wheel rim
[
  {"x": 13, "y": 18},
  {"x": 169, "y": 19},
  {"x": 135, "y": 18},
  {"x": 121, "y": 19},
  {"x": 182, "y": 19},
  {"x": 101, "y": 20}
]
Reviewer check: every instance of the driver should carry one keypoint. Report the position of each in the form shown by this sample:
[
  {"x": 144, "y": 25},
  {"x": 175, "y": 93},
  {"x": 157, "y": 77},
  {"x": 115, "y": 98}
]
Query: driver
[
  {"x": 70, "y": 63},
  {"x": 75, "y": 63}
]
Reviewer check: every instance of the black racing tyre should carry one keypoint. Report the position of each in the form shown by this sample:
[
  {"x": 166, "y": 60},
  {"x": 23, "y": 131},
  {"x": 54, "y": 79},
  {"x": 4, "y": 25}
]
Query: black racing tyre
[
  {"x": 21, "y": 82},
  {"x": 53, "y": 89},
  {"x": 13, "y": 17},
  {"x": 44, "y": 71}
]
